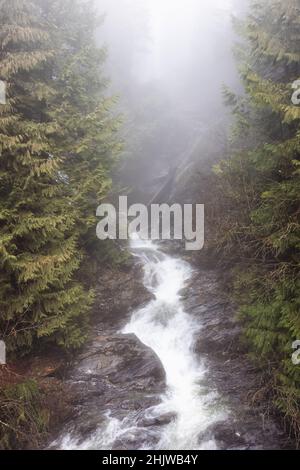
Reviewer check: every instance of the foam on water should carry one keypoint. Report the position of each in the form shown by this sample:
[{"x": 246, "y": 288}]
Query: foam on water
[{"x": 164, "y": 326}]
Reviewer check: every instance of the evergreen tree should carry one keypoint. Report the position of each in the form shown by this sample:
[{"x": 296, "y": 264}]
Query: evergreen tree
[
  {"x": 260, "y": 190},
  {"x": 39, "y": 253},
  {"x": 87, "y": 131},
  {"x": 57, "y": 148}
]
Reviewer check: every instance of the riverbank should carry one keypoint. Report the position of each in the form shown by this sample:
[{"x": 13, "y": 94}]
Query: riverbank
[
  {"x": 251, "y": 423},
  {"x": 118, "y": 291},
  {"x": 116, "y": 377}
]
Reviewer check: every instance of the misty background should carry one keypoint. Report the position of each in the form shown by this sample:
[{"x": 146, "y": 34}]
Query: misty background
[{"x": 167, "y": 62}]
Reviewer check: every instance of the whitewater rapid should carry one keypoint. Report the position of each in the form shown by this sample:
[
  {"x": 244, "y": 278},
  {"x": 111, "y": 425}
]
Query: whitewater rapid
[{"x": 165, "y": 327}]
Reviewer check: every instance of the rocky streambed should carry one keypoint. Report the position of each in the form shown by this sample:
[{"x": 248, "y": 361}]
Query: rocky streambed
[
  {"x": 125, "y": 394},
  {"x": 114, "y": 372},
  {"x": 250, "y": 423}
]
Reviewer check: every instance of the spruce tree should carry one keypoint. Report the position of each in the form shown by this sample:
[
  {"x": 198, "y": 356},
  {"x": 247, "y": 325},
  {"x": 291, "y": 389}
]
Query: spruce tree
[
  {"x": 87, "y": 130},
  {"x": 39, "y": 297},
  {"x": 260, "y": 189}
]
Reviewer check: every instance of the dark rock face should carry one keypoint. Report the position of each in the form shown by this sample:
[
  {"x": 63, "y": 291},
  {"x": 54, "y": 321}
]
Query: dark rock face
[
  {"x": 116, "y": 373},
  {"x": 157, "y": 421},
  {"x": 231, "y": 372},
  {"x": 118, "y": 294},
  {"x": 120, "y": 360}
]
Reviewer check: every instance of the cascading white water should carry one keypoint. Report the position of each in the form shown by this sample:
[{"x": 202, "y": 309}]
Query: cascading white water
[{"x": 164, "y": 326}]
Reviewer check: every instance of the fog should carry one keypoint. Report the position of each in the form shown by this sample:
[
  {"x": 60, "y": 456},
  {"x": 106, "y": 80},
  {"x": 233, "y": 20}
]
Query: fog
[{"x": 167, "y": 62}]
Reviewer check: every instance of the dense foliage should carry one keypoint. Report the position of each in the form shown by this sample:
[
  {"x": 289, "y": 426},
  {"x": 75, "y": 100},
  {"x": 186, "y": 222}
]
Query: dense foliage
[
  {"x": 258, "y": 195},
  {"x": 57, "y": 147}
]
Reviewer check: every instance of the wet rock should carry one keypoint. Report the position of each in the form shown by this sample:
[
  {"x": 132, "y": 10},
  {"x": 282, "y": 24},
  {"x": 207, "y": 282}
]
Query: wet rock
[
  {"x": 225, "y": 435},
  {"x": 122, "y": 359},
  {"x": 243, "y": 434},
  {"x": 116, "y": 373},
  {"x": 231, "y": 372},
  {"x": 138, "y": 441},
  {"x": 118, "y": 294},
  {"x": 158, "y": 420}
]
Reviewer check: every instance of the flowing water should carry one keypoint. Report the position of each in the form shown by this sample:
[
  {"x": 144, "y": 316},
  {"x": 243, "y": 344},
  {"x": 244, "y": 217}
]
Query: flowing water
[{"x": 170, "y": 331}]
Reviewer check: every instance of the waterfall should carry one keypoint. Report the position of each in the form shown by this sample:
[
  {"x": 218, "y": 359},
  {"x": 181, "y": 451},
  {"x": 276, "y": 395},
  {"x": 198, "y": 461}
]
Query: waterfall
[{"x": 165, "y": 326}]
